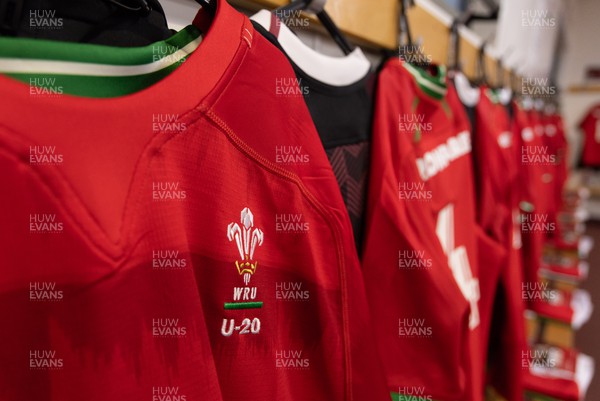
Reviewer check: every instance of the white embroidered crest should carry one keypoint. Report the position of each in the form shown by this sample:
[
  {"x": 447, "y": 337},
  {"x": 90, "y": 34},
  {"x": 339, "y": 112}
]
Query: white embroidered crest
[{"x": 247, "y": 239}]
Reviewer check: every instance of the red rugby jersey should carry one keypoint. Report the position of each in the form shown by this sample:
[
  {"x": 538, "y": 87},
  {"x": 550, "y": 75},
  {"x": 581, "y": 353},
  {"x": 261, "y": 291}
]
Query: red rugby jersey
[
  {"x": 171, "y": 248},
  {"x": 555, "y": 138},
  {"x": 451, "y": 179},
  {"x": 496, "y": 176},
  {"x": 562, "y": 151},
  {"x": 493, "y": 215},
  {"x": 558, "y": 372},
  {"x": 534, "y": 222},
  {"x": 590, "y": 127},
  {"x": 543, "y": 162},
  {"x": 419, "y": 258}
]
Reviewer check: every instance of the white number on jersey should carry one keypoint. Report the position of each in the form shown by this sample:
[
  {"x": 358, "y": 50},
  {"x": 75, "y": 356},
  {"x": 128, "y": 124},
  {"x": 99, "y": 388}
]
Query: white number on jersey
[{"x": 459, "y": 262}]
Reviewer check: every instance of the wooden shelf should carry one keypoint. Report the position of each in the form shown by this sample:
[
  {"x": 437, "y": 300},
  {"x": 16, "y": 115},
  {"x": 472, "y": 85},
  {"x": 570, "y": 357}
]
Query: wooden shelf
[
  {"x": 590, "y": 88},
  {"x": 377, "y": 27},
  {"x": 364, "y": 22},
  {"x": 430, "y": 26}
]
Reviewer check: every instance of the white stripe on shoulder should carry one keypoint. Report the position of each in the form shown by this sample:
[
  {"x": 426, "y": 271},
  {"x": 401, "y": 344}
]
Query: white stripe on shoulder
[
  {"x": 28, "y": 66},
  {"x": 423, "y": 81}
]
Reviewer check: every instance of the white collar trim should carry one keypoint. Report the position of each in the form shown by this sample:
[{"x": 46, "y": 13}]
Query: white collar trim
[
  {"x": 467, "y": 94},
  {"x": 335, "y": 71}
]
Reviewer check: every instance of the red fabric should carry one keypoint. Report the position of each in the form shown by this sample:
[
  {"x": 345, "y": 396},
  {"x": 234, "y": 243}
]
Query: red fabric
[
  {"x": 557, "y": 140},
  {"x": 492, "y": 215},
  {"x": 552, "y": 371},
  {"x": 570, "y": 272},
  {"x": 225, "y": 160},
  {"x": 557, "y": 306},
  {"x": 542, "y": 165},
  {"x": 508, "y": 338},
  {"x": 495, "y": 170},
  {"x": 530, "y": 154},
  {"x": 590, "y": 128},
  {"x": 533, "y": 155},
  {"x": 496, "y": 176},
  {"x": 522, "y": 134},
  {"x": 399, "y": 225},
  {"x": 560, "y": 389}
]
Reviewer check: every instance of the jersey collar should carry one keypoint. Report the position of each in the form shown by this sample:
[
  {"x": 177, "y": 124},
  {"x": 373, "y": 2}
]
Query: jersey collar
[
  {"x": 333, "y": 71},
  {"x": 224, "y": 34},
  {"x": 433, "y": 86},
  {"x": 93, "y": 70}
]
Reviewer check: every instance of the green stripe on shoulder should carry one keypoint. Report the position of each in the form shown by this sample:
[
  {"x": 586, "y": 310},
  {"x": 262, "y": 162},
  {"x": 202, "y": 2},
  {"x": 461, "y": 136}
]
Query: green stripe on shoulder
[
  {"x": 493, "y": 95},
  {"x": 41, "y": 49},
  {"x": 91, "y": 86},
  {"x": 433, "y": 86},
  {"x": 52, "y": 67}
]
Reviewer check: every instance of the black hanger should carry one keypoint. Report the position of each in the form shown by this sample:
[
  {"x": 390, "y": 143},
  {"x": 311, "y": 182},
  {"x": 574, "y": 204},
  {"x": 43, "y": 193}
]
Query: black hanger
[
  {"x": 454, "y": 62},
  {"x": 12, "y": 12},
  {"x": 482, "y": 75},
  {"x": 404, "y": 26},
  {"x": 469, "y": 16},
  {"x": 107, "y": 22},
  {"x": 10, "y": 16},
  {"x": 318, "y": 8},
  {"x": 405, "y": 43},
  {"x": 500, "y": 73},
  {"x": 140, "y": 6},
  {"x": 408, "y": 50},
  {"x": 209, "y": 5},
  {"x": 514, "y": 85}
]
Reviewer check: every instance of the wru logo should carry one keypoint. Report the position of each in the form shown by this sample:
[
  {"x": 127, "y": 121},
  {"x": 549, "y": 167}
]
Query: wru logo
[{"x": 247, "y": 239}]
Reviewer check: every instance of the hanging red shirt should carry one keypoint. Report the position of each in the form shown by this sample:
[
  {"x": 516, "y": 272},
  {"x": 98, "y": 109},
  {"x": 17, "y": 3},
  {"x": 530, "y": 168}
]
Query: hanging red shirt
[{"x": 169, "y": 243}]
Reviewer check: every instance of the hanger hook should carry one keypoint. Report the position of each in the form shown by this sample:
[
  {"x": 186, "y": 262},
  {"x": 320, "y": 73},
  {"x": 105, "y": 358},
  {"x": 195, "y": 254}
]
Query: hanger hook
[
  {"x": 142, "y": 6},
  {"x": 455, "y": 44},
  {"x": 316, "y": 6},
  {"x": 482, "y": 73}
]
